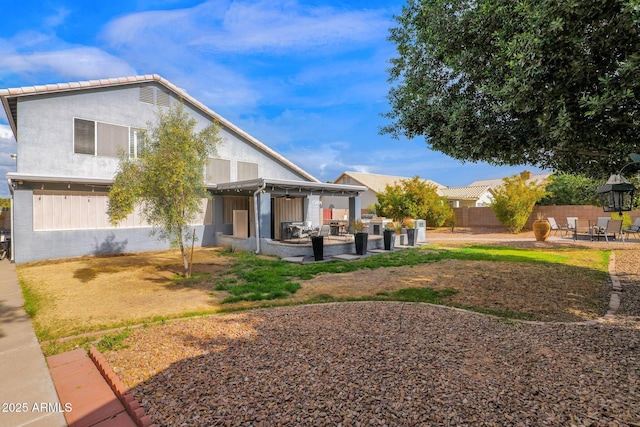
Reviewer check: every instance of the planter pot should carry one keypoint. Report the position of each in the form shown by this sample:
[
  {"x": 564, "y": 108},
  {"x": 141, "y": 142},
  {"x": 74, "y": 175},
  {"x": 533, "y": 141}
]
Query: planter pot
[
  {"x": 361, "y": 243},
  {"x": 317, "y": 242},
  {"x": 541, "y": 229},
  {"x": 411, "y": 236},
  {"x": 389, "y": 239}
]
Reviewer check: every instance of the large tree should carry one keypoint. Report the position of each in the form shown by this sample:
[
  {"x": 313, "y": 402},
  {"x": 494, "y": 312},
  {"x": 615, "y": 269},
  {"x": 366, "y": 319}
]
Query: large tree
[
  {"x": 167, "y": 178},
  {"x": 550, "y": 83}
]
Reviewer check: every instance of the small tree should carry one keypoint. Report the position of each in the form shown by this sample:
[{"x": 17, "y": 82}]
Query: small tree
[
  {"x": 393, "y": 203},
  {"x": 513, "y": 202},
  {"x": 166, "y": 180},
  {"x": 413, "y": 198}
]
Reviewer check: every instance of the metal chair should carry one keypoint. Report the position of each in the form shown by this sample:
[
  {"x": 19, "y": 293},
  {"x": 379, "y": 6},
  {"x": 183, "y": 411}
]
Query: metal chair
[
  {"x": 555, "y": 227},
  {"x": 634, "y": 230}
]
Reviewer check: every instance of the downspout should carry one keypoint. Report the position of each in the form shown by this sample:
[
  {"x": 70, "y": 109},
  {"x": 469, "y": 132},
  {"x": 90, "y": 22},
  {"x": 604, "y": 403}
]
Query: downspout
[{"x": 256, "y": 213}]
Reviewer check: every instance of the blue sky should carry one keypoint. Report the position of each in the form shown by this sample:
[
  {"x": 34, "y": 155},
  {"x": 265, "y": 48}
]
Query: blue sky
[{"x": 308, "y": 77}]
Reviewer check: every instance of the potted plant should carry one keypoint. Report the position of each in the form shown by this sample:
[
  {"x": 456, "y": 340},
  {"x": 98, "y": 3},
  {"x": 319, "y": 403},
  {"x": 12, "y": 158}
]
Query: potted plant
[
  {"x": 389, "y": 236},
  {"x": 541, "y": 228},
  {"x": 360, "y": 236},
  {"x": 411, "y": 231}
]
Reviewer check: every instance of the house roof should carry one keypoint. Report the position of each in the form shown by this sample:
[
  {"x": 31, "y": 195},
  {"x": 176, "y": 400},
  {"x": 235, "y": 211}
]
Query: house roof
[
  {"x": 497, "y": 182},
  {"x": 472, "y": 192},
  {"x": 10, "y": 96},
  {"x": 377, "y": 183}
]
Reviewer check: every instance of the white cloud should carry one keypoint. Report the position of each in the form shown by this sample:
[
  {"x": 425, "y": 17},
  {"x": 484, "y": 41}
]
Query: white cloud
[
  {"x": 6, "y": 133},
  {"x": 250, "y": 27},
  {"x": 80, "y": 62},
  {"x": 58, "y": 18}
]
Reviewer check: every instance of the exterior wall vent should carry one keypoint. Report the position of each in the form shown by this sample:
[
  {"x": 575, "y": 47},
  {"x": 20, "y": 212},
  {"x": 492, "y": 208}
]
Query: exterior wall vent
[{"x": 147, "y": 94}]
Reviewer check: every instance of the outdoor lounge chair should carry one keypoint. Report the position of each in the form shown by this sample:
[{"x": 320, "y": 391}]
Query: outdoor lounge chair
[
  {"x": 599, "y": 228},
  {"x": 614, "y": 226},
  {"x": 634, "y": 230},
  {"x": 323, "y": 231},
  {"x": 571, "y": 223},
  {"x": 555, "y": 227},
  {"x": 581, "y": 228}
]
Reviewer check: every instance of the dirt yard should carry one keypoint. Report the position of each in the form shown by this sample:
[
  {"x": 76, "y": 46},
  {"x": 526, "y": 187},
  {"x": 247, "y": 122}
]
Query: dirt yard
[{"x": 92, "y": 293}]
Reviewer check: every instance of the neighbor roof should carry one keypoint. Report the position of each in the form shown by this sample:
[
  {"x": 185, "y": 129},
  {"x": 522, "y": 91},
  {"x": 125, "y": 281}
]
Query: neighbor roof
[
  {"x": 497, "y": 182},
  {"x": 10, "y": 96},
  {"x": 377, "y": 183},
  {"x": 464, "y": 193}
]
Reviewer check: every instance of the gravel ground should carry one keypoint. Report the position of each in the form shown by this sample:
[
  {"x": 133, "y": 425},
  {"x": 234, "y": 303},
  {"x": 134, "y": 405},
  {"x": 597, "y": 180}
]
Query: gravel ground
[{"x": 390, "y": 364}]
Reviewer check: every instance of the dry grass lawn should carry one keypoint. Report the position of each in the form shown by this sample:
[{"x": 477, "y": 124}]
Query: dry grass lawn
[{"x": 95, "y": 293}]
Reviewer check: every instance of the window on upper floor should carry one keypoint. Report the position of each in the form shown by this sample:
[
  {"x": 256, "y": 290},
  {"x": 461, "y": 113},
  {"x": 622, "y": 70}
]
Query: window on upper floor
[
  {"x": 137, "y": 142},
  {"x": 84, "y": 137},
  {"x": 106, "y": 140},
  {"x": 247, "y": 170},
  {"x": 218, "y": 171}
]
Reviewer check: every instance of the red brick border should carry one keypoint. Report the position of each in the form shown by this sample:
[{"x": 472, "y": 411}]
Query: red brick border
[{"x": 132, "y": 406}]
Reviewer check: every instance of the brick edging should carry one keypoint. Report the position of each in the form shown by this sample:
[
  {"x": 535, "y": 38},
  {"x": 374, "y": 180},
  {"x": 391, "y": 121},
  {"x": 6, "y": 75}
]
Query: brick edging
[{"x": 132, "y": 406}]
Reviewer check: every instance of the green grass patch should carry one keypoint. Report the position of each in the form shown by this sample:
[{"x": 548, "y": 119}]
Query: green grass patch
[
  {"x": 256, "y": 278},
  {"x": 56, "y": 347},
  {"x": 32, "y": 300},
  {"x": 112, "y": 342}
]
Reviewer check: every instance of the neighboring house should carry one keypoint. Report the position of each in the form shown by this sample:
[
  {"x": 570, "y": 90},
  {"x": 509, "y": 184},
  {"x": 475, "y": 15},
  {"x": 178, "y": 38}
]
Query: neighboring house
[
  {"x": 497, "y": 182},
  {"x": 469, "y": 196},
  {"x": 68, "y": 138},
  {"x": 479, "y": 193},
  {"x": 374, "y": 184}
]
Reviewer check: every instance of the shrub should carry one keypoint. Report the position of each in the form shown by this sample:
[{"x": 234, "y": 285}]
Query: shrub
[{"x": 513, "y": 202}]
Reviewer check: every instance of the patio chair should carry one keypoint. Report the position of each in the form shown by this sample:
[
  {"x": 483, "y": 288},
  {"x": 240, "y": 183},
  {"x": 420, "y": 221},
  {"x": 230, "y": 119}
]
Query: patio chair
[
  {"x": 581, "y": 228},
  {"x": 555, "y": 227},
  {"x": 299, "y": 230},
  {"x": 634, "y": 229},
  {"x": 600, "y": 227},
  {"x": 614, "y": 226},
  {"x": 571, "y": 222},
  {"x": 323, "y": 231}
]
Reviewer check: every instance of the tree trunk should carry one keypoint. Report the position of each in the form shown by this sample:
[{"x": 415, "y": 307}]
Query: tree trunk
[{"x": 185, "y": 261}]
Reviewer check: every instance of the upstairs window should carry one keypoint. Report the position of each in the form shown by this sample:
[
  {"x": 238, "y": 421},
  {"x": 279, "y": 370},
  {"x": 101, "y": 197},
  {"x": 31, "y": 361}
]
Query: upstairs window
[
  {"x": 106, "y": 140},
  {"x": 84, "y": 137},
  {"x": 137, "y": 142}
]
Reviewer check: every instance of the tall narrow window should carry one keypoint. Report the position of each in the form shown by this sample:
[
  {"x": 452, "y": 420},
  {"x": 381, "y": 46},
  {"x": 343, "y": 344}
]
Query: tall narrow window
[
  {"x": 84, "y": 136},
  {"x": 136, "y": 142}
]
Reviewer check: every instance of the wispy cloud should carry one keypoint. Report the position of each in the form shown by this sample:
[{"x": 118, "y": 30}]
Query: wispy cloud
[
  {"x": 244, "y": 27},
  {"x": 57, "y": 18},
  {"x": 75, "y": 63}
]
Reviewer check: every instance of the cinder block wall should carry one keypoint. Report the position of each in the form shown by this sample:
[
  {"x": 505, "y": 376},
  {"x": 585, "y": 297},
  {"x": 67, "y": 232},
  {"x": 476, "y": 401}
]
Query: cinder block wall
[{"x": 484, "y": 216}]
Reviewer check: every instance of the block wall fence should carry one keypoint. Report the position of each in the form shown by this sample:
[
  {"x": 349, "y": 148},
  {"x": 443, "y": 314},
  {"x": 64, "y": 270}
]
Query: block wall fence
[{"x": 484, "y": 216}]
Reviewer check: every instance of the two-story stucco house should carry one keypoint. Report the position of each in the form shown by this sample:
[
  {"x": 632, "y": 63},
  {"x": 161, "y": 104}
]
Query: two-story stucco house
[{"x": 68, "y": 137}]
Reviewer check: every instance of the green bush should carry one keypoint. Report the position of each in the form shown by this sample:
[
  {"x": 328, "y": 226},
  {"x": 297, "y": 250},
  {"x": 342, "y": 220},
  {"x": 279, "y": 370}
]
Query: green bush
[{"x": 513, "y": 202}]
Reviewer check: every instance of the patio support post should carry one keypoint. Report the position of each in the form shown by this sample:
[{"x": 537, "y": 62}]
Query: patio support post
[
  {"x": 262, "y": 203},
  {"x": 354, "y": 208}
]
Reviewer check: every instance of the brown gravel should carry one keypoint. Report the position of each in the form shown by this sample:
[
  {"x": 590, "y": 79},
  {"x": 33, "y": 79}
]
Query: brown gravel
[{"x": 391, "y": 364}]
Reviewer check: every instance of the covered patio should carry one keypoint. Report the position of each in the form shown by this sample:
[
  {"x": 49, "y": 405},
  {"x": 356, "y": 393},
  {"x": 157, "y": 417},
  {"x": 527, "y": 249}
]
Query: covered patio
[{"x": 255, "y": 215}]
